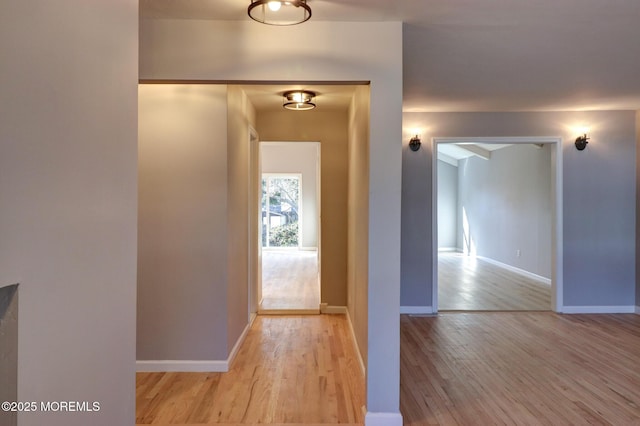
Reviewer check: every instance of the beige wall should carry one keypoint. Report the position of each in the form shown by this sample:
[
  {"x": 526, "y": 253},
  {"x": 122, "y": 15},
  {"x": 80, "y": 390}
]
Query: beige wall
[
  {"x": 68, "y": 195},
  {"x": 182, "y": 228},
  {"x": 358, "y": 215},
  {"x": 241, "y": 115},
  {"x": 330, "y": 129}
]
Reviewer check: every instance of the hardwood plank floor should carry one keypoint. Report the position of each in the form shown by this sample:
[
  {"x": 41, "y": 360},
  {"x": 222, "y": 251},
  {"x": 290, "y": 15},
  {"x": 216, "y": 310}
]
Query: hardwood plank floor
[
  {"x": 289, "y": 370},
  {"x": 472, "y": 284},
  {"x": 524, "y": 368},
  {"x": 290, "y": 280}
]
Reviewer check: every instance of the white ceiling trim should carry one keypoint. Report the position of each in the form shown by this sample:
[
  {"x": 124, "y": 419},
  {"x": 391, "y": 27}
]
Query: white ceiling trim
[
  {"x": 504, "y": 140},
  {"x": 485, "y": 154},
  {"x": 447, "y": 159}
]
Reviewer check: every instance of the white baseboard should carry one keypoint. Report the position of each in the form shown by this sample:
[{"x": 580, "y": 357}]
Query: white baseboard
[
  {"x": 599, "y": 309},
  {"x": 192, "y": 366},
  {"x": 638, "y": 310},
  {"x": 527, "y": 274},
  {"x": 182, "y": 366},
  {"x": 383, "y": 419},
  {"x": 289, "y": 311},
  {"x": 416, "y": 310},
  {"x": 326, "y": 309},
  {"x": 448, "y": 249},
  {"x": 355, "y": 344},
  {"x": 243, "y": 335}
]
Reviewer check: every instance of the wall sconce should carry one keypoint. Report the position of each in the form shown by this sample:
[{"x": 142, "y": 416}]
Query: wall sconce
[
  {"x": 581, "y": 142},
  {"x": 414, "y": 143}
]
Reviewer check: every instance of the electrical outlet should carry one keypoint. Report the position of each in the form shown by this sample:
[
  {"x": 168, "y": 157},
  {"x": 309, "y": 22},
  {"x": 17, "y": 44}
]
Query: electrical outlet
[{"x": 518, "y": 253}]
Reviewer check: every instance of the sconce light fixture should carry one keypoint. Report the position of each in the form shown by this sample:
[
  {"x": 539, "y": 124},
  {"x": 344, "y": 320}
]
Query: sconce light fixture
[
  {"x": 414, "y": 143},
  {"x": 298, "y": 100},
  {"x": 279, "y": 12},
  {"x": 581, "y": 142}
]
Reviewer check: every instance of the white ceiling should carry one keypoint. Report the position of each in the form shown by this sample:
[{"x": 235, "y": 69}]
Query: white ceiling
[
  {"x": 489, "y": 55},
  {"x": 452, "y": 152}
]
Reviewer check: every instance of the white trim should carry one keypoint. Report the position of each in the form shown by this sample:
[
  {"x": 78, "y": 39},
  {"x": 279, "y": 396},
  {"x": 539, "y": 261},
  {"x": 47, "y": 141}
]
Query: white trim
[
  {"x": 182, "y": 366},
  {"x": 519, "y": 271},
  {"x": 638, "y": 310},
  {"x": 308, "y": 248},
  {"x": 500, "y": 140},
  {"x": 599, "y": 309},
  {"x": 289, "y": 311},
  {"x": 447, "y": 159},
  {"x": 326, "y": 309},
  {"x": 434, "y": 226},
  {"x": 416, "y": 310},
  {"x": 383, "y": 419},
  {"x": 557, "y": 301},
  {"x": 449, "y": 250},
  {"x": 240, "y": 341},
  {"x": 557, "y": 244},
  {"x": 192, "y": 366},
  {"x": 355, "y": 344}
]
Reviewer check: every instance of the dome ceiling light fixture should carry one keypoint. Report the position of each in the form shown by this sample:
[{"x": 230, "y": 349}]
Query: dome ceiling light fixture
[
  {"x": 298, "y": 100},
  {"x": 279, "y": 12}
]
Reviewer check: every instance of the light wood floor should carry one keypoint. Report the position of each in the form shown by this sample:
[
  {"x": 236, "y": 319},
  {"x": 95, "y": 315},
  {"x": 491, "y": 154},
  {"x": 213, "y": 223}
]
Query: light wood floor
[
  {"x": 524, "y": 368},
  {"x": 472, "y": 284},
  {"x": 290, "y": 370},
  {"x": 290, "y": 280}
]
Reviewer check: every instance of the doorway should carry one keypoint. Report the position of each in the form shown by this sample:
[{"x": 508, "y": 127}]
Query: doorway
[
  {"x": 289, "y": 227},
  {"x": 480, "y": 267}
]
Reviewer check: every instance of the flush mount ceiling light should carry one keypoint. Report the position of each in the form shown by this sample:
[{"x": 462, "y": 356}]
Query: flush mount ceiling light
[
  {"x": 298, "y": 100},
  {"x": 279, "y": 12}
]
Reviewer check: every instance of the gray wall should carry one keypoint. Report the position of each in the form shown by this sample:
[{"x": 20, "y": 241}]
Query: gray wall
[
  {"x": 68, "y": 196},
  {"x": 298, "y": 157},
  {"x": 182, "y": 228},
  {"x": 507, "y": 202},
  {"x": 447, "y": 205},
  {"x": 599, "y": 199},
  {"x": 416, "y": 247},
  {"x": 9, "y": 351}
]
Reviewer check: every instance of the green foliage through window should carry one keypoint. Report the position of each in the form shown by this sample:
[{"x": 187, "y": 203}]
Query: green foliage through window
[{"x": 284, "y": 235}]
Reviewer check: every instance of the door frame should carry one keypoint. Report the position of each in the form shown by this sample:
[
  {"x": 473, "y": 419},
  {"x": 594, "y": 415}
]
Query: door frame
[
  {"x": 256, "y": 212},
  {"x": 557, "y": 303},
  {"x": 254, "y": 258}
]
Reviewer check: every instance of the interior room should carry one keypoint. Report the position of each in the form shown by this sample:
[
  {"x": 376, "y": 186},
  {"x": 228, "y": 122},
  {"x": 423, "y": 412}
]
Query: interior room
[
  {"x": 494, "y": 213},
  {"x": 132, "y": 253}
]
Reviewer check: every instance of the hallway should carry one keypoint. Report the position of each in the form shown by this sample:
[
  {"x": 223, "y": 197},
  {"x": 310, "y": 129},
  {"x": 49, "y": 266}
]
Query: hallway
[
  {"x": 290, "y": 369},
  {"x": 290, "y": 280}
]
